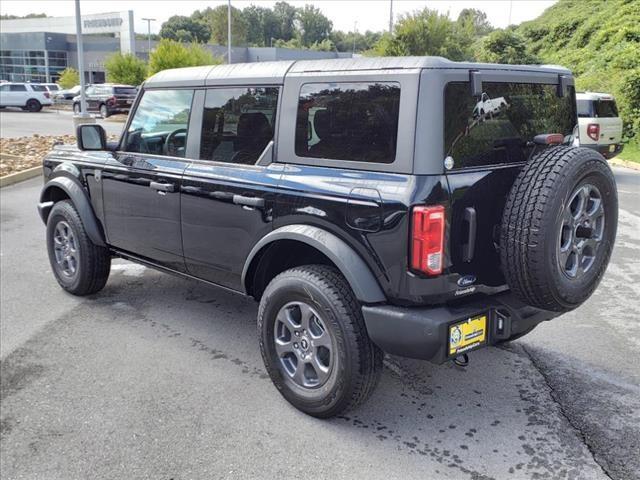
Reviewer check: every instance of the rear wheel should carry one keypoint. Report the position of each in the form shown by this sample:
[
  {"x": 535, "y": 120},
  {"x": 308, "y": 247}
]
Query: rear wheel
[
  {"x": 80, "y": 266},
  {"x": 33, "y": 105},
  {"x": 314, "y": 342},
  {"x": 76, "y": 108},
  {"x": 559, "y": 227}
]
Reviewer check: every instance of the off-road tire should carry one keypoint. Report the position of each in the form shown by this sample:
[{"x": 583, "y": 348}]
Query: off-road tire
[
  {"x": 33, "y": 105},
  {"x": 357, "y": 363},
  {"x": 532, "y": 223},
  {"x": 94, "y": 262}
]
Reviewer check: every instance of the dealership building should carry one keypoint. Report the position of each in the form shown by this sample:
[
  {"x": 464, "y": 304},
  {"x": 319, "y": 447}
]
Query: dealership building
[{"x": 39, "y": 49}]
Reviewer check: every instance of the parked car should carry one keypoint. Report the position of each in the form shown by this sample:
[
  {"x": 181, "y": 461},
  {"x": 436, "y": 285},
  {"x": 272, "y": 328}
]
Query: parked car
[
  {"x": 52, "y": 88},
  {"x": 107, "y": 99},
  {"x": 599, "y": 123},
  {"x": 393, "y": 221},
  {"x": 68, "y": 94},
  {"x": 28, "y": 96}
]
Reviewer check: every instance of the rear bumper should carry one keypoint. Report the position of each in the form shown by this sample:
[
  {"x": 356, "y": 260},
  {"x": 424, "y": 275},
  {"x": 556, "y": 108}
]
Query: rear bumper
[
  {"x": 423, "y": 333},
  {"x": 605, "y": 150}
]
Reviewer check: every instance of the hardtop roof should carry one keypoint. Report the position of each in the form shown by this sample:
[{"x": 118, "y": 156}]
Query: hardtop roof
[{"x": 274, "y": 72}]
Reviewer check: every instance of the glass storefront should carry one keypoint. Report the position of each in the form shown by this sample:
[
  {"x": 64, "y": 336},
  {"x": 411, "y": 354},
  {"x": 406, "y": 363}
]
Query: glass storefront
[{"x": 32, "y": 65}]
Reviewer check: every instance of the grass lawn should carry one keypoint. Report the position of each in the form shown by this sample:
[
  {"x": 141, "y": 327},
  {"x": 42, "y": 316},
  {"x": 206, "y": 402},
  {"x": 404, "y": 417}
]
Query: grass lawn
[{"x": 631, "y": 152}]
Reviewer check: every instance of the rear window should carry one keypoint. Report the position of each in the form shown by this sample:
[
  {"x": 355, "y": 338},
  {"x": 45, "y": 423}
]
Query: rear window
[
  {"x": 348, "y": 121},
  {"x": 585, "y": 108},
  {"x": 124, "y": 91},
  {"x": 498, "y": 127},
  {"x": 606, "y": 108}
]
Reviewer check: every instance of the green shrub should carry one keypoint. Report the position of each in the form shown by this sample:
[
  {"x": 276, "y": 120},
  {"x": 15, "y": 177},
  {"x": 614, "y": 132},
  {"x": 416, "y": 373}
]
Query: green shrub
[
  {"x": 125, "y": 68},
  {"x": 69, "y": 78},
  {"x": 172, "y": 54}
]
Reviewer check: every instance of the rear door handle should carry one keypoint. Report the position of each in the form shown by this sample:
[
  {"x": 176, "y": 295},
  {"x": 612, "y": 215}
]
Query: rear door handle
[
  {"x": 162, "y": 187},
  {"x": 248, "y": 201}
]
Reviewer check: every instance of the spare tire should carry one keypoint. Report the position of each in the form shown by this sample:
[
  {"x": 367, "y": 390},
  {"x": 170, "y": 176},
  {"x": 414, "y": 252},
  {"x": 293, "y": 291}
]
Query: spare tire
[{"x": 558, "y": 228}]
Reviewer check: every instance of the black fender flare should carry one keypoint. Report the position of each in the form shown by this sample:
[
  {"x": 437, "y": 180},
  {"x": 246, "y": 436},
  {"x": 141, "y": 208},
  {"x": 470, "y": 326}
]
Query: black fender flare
[
  {"x": 358, "y": 274},
  {"x": 80, "y": 200}
]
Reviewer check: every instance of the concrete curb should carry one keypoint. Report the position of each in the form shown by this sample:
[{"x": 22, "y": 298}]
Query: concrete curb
[
  {"x": 618, "y": 162},
  {"x": 20, "y": 176}
]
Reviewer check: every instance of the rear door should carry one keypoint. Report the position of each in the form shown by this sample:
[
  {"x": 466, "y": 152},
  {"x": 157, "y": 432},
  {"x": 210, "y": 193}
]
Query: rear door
[
  {"x": 610, "y": 123},
  {"x": 141, "y": 183},
  {"x": 228, "y": 192},
  {"x": 488, "y": 139}
]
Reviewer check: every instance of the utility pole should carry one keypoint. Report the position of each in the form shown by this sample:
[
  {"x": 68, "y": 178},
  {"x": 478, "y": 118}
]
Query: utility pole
[
  {"x": 510, "y": 8},
  {"x": 229, "y": 31},
  {"x": 390, "y": 16},
  {"x": 149, "y": 20},
  {"x": 83, "y": 100},
  {"x": 355, "y": 31}
]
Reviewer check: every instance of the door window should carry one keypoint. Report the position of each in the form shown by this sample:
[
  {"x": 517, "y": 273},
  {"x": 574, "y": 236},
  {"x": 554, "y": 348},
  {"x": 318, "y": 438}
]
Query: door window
[
  {"x": 17, "y": 88},
  {"x": 160, "y": 123},
  {"x": 238, "y": 123},
  {"x": 348, "y": 121}
]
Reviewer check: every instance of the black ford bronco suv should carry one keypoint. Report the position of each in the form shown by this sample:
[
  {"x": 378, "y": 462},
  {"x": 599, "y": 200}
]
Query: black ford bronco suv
[{"x": 414, "y": 206}]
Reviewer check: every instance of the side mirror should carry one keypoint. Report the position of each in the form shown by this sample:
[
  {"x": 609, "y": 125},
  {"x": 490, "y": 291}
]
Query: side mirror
[{"x": 91, "y": 137}]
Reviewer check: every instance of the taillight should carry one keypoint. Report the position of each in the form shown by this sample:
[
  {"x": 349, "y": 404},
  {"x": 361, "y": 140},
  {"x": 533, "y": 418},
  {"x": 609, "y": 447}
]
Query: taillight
[
  {"x": 111, "y": 100},
  {"x": 593, "y": 130},
  {"x": 46, "y": 95},
  {"x": 427, "y": 239}
]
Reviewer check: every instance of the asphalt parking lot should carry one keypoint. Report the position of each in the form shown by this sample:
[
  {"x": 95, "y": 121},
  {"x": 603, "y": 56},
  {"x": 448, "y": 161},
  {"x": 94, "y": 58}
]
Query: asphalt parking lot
[
  {"x": 158, "y": 377},
  {"x": 18, "y": 123}
]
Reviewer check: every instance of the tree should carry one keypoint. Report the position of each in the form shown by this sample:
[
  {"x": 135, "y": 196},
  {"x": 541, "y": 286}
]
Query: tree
[
  {"x": 477, "y": 19},
  {"x": 185, "y": 29},
  {"x": 29, "y": 15},
  {"x": 314, "y": 27},
  {"x": 426, "y": 32},
  {"x": 69, "y": 78},
  {"x": 216, "y": 20},
  {"x": 344, "y": 41},
  {"x": 262, "y": 25},
  {"x": 285, "y": 17},
  {"x": 505, "y": 46},
  {"x": 173, "y": 54},
  {"x": 125, "y": 68}
]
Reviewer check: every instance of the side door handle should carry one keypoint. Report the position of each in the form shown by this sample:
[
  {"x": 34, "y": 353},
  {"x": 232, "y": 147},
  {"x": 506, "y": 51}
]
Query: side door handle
[
  {"x": 248, "y": 201},
  {"x": 162, "y": 187}
]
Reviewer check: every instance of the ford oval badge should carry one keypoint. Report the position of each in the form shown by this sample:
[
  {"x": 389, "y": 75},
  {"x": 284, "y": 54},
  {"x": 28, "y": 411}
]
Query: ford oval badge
[{"x": 466, "y": 280}]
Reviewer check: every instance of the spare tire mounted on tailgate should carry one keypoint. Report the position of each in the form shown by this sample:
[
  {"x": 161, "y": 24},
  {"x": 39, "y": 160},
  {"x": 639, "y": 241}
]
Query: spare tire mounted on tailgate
[{"x": 558, "y": 227}]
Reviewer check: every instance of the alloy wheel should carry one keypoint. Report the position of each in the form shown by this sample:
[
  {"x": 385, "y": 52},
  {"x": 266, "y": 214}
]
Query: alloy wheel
[
  {"x": 582, "y": 231},
  {"x": 65, "y": 248},
  {"x": 304, "y": 345}
]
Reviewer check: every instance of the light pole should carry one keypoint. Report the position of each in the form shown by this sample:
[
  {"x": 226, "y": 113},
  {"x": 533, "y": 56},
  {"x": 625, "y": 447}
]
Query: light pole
[
  {"x": 229, "y": 31},
  {"x": 83, "y": 100},
  {"x": 355, "y": 31},
  {"x": 149, "y": 20},
  {"x": 390, "y": 16}
]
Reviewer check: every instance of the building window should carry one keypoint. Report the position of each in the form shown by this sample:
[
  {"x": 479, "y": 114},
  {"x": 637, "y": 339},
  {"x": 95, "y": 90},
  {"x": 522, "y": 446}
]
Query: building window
[{"x": 31, "y": 65}]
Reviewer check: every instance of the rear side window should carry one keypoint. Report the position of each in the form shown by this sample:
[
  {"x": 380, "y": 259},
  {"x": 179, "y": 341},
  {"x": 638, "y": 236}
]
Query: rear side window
[
  {"x": 606, "y": 108},
  {"x": 585, "y": 108},
  {"x": 39, "y": 88},
  {"x": 17, "y": 88},
  {"x": 348, "y": 121},
  {"x": 124, "y": 91},
  {"x": 498, "y": 127},
  {"x": 238, "y": 123}
]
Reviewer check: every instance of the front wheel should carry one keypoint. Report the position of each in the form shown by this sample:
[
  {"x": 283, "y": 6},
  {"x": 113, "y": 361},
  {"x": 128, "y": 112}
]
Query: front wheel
[
  {"x": 76, "y": 108},
  {"x": 80, "y": 266},
  {"x": 104, "y": 111},
  {"x": 314, "y": 342}
]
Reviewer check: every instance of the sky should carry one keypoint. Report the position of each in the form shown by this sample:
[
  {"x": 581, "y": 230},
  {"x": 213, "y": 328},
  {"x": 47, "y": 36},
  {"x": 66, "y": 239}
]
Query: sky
[{"x": 345, "y": 14}]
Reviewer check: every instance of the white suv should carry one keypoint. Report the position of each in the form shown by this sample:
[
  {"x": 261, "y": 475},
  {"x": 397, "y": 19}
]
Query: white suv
[
  {"x": 28, "y": 96},
  {"x": 599, "y": 123}
]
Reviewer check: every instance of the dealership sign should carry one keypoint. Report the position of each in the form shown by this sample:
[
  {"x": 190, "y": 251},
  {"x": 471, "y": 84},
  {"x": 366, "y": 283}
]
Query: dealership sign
[{"x": 102, "y": 22}]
